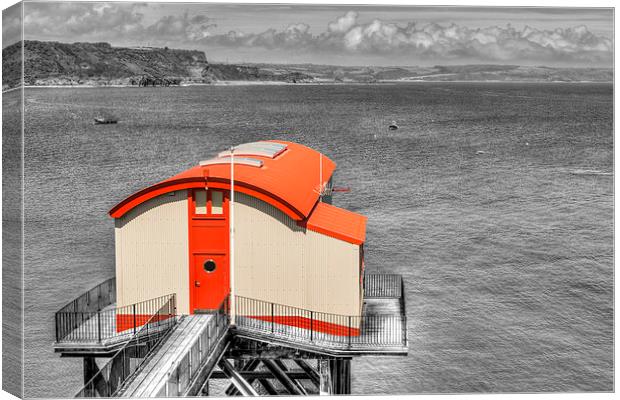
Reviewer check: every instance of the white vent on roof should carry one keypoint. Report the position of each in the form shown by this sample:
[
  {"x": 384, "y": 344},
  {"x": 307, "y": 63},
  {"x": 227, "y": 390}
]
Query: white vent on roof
[
  {"x": 260, "y": 149},
  {"x": 252, "y": 162}
]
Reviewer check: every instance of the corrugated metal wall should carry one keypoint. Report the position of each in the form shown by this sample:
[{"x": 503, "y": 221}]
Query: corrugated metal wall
[
  {"x": 275, "y": 259},
  {"x": 280, "y": 262},
  {"x": 152, "y": 251}
]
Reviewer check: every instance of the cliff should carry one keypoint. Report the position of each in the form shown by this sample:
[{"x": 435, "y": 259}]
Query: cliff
[
  {"x": 450, "y": 73},
  {"x": 54, "y": 63},
  {"x": 49, "y": 63},
  {"x": 98, "y": 64},
  {"x": 233, "y": 72}
]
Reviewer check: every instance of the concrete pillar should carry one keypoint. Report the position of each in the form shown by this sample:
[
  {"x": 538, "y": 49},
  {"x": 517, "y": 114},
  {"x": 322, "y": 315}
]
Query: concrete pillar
[
  {"x": 89, "y": 372},
  {"x": 325, "y": 387},
  {"x": 98, "y": 387},
  {"x": 118, "y": 372},
  {"x": 340, "y": 372}
]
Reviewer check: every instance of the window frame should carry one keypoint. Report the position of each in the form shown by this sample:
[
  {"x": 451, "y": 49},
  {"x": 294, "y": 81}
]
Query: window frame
[
  {"x": 204, "y": 266},
  {"x": 210, "y": 202},
  {"x": 209, "y": 210}
]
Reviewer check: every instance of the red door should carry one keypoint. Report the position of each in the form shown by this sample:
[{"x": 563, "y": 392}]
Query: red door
[{"x": 209, "y": 245}]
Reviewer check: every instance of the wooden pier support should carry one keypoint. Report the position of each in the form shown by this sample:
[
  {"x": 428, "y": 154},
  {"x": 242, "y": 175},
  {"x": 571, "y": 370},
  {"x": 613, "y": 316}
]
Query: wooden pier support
[
  {"x": 279, "y": 374},
  {"x": 90, "y": 370},
  {"x": 325, "y": 386},
  {"x": 282, "y": 370},
  {"x": 312, "y": 374},
  {"x": 268, "y": 387},
  {"x": 340, "y": 370},
  {"x": 120, "y": 368},
  {"x": 332, "y": 378},
  {"x": 335, "y": 375},
  {"x": 249, "y": 366},
  {"x": 241, "y": 384},
  {"x": 297, "y": 382}
]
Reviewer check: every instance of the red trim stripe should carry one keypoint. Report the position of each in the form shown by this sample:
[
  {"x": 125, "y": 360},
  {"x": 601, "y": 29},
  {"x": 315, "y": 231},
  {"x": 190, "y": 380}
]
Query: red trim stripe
[
  {"x": 306, "y": 323},
  {"x": 126, "y": 321},
  {"x": 166, "y": 187}
]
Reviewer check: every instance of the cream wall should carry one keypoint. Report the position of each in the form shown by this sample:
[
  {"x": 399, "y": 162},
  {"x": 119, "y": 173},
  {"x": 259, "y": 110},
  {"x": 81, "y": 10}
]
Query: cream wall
[
  {"x": 152, "y": 251},
  {"x": 275, "y": 260},
  {"x": 280, "y": 262}
]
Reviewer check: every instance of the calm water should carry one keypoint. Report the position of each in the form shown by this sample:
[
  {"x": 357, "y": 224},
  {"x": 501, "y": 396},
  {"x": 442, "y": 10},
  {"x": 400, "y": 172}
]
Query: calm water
[{"x": 495, "y": 202}]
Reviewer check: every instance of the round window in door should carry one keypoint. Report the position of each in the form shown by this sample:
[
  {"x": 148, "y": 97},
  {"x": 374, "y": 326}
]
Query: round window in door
[{"x": 209, "y": 266}]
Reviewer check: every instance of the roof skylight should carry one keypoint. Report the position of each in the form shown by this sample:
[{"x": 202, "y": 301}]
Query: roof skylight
[
  {"x": 260, "y": 149},
  {"x": 252, "y": 162}
]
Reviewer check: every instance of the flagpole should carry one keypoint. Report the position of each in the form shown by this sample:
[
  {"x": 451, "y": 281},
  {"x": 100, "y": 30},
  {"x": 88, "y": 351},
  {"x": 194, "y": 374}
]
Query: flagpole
[
  {"x": 320, "y": 177},
  {"x": 232, "y": 237}
]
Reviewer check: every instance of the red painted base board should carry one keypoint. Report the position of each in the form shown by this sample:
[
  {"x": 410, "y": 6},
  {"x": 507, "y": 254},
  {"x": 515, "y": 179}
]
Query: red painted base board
[
  {"x": 307, "y": 323},
  {"x": 126, "y": 321}
]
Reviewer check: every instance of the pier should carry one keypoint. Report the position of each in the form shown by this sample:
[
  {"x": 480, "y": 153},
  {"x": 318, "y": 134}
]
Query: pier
[
  {"x": 237, "y": 269},
  {"x": 169, "y": 355}
]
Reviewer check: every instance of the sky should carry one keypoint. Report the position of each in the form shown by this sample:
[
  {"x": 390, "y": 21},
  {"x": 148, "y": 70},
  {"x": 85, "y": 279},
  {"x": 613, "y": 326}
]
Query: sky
[{"x": 341, "y": 35}]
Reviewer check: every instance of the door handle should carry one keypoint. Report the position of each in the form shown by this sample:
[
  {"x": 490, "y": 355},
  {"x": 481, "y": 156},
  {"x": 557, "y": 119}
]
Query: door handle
[{"x": 197, "y": 283}]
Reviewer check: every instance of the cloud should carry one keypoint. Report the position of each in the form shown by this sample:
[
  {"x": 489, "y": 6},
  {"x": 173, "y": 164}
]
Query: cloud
[
  {"x": 82, "y": 20},
  {"x": 11, "y": 25},
  {"x": 295, "y": 36},
  {"x": 441, "y": 42},
  {"x": 182, "y": 27},
  {"x": 344, "y": 23},
  {"x": 346, "y": 35},
  {"x": 110, "y": 21}
]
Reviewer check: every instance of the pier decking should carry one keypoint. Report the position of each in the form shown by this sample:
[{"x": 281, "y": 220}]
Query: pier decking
[
  {"x": 170, "y": 356},
  {"x": 83, "y": 331},
  {"x": 381, "y": 330}
]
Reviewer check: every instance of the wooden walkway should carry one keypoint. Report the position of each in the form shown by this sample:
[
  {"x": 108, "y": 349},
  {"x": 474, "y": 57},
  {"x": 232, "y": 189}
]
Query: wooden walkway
[
  {"x": 150, "y": 380},
  {"x": 386, "y": 336}
]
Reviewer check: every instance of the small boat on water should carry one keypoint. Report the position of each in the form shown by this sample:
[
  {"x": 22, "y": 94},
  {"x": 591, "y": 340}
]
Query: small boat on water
[
  {"x": 103, "y": 117},
  {"x": 393, "y": 126},
  {"x": 105, "y": 120}
]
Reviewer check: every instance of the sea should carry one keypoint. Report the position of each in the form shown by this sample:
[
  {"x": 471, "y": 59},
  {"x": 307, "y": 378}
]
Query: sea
[{"x": 493, "y": 200}]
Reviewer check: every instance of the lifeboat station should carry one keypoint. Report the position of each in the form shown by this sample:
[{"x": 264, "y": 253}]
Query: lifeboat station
[{"x": 237, "y": 269}]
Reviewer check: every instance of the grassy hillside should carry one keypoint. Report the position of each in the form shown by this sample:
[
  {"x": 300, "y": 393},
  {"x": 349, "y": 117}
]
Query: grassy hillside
[
  {"x": 232, "y": 72},
  {"x": 508, "y": 73},
  {"x": 54, "y": 63},
  {"x": 49, "y": 63}
]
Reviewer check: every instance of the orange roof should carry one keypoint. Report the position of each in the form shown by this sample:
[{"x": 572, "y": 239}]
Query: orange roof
[
  {"x": 289, "y": 180},
  {"x": 338, "y": 223},
  {"x": 283, "y": 174}
]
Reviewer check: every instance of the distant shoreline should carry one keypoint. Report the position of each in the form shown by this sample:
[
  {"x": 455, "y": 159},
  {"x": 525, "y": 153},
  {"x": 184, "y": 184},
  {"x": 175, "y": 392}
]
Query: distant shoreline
[
  {"x": 316, "y": 83},
  {"x": 82, "y": 64}
]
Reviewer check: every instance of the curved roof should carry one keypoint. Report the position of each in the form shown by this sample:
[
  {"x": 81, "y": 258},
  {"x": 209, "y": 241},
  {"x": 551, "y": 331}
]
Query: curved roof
[{"x": 286, "y": 175}]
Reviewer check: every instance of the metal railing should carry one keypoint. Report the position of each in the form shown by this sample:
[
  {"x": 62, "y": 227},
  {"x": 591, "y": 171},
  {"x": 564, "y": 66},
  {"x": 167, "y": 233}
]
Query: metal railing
[
  {"x": 92, "y": 301},
  {"x": 132, "y": 355},
  {"x": 190, "y": 365},
  {"x": 325, "y": 329},
  {"x": 95, "y": 299},
  {"x": 81, "y": 325},
  {"x": 403, "y": 306},
  {"x": 383, "y": 286}
]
